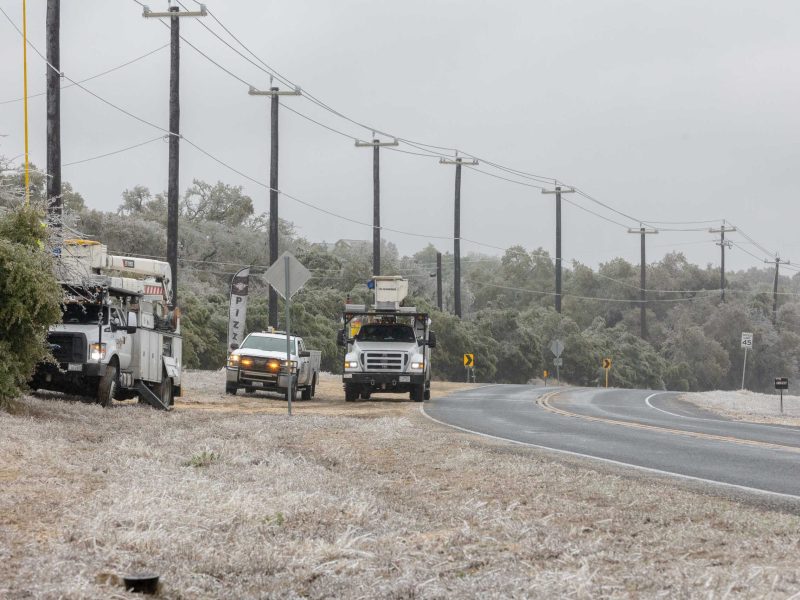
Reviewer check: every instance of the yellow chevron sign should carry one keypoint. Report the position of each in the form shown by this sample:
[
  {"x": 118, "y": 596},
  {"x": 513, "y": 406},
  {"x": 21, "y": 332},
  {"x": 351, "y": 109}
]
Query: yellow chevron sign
[{"x": 469, "y": 360}]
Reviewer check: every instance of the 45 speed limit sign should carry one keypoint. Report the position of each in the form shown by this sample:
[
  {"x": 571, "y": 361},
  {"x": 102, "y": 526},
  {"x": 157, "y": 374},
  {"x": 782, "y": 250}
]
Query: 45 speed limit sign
[{"x": 747, "y": 340}]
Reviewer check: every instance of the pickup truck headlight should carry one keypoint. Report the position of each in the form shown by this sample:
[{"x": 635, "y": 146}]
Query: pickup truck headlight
[
  {"x": 293, "y": 364},
  {"x": 233, "y": 360},
  {"x": 98, "y": 351},
  {"x": 350, "y": 364},
  {"x": 418, "y": 365}
]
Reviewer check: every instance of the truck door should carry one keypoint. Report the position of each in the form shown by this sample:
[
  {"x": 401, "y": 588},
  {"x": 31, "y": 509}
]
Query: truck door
[
  {"x": 303, "y": 365},
  {"x": 124, "y": 342}
]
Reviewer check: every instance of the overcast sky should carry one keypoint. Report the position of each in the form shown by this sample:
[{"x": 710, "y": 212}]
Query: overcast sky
[{"x": 668, "y": 111}]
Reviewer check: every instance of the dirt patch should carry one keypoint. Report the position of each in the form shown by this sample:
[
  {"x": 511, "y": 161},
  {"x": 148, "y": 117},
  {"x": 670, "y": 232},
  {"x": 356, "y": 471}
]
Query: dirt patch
[
  {"x": 225, "y": 500},
  {"x": 743, "y": 405},
  {"x": 206, "y": 390}
]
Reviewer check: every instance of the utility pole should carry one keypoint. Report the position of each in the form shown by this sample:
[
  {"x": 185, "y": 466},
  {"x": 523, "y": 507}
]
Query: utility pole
[
  {"x": 643, "y": 231},
  {"x": 376, "y": 144},
  {"x": 274, "y": 93},
  {"x": 55, "y": 202},
  {"x": 439, "y": 280},
  {"x": 457, "y": 231},
  {"x": 174, "y": 15},
  {"x": 722, "y": 245},
  {"x": 558, "y": 191},
  {"x": 778, "y": 262}
]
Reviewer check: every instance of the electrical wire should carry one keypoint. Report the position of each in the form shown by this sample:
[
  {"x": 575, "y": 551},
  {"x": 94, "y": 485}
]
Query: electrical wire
[
  {"x": 106, "y": 72},
  {"x": 139, "y": 145}
]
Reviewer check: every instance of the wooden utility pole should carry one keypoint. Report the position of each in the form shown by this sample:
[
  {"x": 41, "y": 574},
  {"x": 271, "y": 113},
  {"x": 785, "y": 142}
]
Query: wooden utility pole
[
  {"x": 55, "y": 202},
  {"x": 439, "y": 280},
  {"x": 643, "y": 231},
  {"x": 274, "y": 93},
  {"x": 457, "y": 231},
  {"x": 722, "y": 245},
  {"x": 173, "y": 180},
  {"x": 558, "y": 191},
  {"x": 778, "y": 262},
  {"x": 376, "y": 144}
]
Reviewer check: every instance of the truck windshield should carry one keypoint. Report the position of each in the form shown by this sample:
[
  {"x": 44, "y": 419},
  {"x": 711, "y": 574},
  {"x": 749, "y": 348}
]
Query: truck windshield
[
  {"x": 268, "y": 344},
  {"x": 386, "y": 332},
  {"x": 82, "y": 314}
]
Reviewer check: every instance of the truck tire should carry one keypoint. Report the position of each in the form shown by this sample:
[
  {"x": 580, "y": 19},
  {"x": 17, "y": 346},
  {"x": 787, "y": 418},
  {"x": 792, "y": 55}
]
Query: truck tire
[
  {"x": 366, "y": 395},
  {"x": 107, "y": 387},
  {"x": 427, "y": 393},
  {"x": 418, "y": 393},
  {"x": 165, "y": 393},
  {"x": 350, "y": 393},
  {"x": 305, "y": 394},
  {"x": 230, "y": 389}
]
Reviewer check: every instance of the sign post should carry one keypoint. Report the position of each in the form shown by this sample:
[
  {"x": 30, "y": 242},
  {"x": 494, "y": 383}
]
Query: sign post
[
  {"x": 747, "y": 342},
  {"x": 606, "y": 368},
  {"x": 781, "y": 383},
  {"x": 545, "y": 377},
  {"x": 286, "y": 277},
  {"x": 557, "y": 347}
]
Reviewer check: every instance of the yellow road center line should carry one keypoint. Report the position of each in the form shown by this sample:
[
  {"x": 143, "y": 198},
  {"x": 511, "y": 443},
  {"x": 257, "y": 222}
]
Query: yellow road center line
[{"x": 544, "y": 402}]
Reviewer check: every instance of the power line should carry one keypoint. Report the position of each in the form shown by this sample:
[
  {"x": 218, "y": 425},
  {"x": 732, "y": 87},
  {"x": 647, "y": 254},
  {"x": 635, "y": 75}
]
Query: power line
[
  {"x": 139, "y": 145},
  {"x": 90, "y": 78}
]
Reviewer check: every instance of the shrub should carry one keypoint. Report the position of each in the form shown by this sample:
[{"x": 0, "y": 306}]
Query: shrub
[{"x": 29, "y": 299}]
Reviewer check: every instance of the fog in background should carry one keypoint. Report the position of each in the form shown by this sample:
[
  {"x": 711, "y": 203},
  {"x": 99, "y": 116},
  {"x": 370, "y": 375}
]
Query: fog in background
[{"x": 669, "y": 111}]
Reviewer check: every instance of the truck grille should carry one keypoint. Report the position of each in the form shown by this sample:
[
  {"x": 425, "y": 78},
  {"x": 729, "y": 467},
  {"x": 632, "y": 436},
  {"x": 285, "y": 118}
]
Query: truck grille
[
  {"x": 384, "y": 361},
  {"x": 68, "y": 347}
]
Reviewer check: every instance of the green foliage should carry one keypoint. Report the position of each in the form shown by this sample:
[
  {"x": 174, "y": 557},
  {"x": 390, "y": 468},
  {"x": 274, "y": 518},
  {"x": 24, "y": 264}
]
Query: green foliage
[{"x": 29, "y": 299}]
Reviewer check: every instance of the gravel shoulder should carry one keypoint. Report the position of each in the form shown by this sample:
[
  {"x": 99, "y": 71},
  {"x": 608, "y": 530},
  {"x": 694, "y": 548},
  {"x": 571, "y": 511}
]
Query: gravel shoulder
[
  {"x": 227, "y": 497},
  {"x": 743, "y": 405}
]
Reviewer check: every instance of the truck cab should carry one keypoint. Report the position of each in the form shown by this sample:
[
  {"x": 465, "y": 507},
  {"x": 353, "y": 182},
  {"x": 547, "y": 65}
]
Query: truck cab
[{"x": 387, "y": 346}]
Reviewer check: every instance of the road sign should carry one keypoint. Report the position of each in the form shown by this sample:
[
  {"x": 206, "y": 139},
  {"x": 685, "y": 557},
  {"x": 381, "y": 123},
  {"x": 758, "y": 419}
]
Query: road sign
[
  {"x": 276, "y": 275},
  {"x": 559, "y": 362},
  {"x": 747, "y": 340},
  {"x": 606, "y": 363},
  {"x": 781, "y": 383},
  {"x": 556, "y": 347},
  {"x": 546, "y": 374},
  {"x": 469, "y": 360}
]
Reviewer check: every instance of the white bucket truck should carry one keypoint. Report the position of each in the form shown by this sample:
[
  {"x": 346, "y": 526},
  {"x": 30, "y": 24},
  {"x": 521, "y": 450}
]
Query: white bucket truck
[
  {"x": 118, "y": 337},
  {"x": 387, "y": 346}
]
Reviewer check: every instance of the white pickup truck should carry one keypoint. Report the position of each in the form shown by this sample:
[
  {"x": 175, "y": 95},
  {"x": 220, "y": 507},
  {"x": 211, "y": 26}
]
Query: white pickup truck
[{"x": 256, "y": 364}]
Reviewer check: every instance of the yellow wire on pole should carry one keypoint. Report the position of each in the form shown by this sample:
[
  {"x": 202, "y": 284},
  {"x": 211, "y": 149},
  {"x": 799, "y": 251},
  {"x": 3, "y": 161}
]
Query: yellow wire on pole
[{"x": 25, "y": 97}]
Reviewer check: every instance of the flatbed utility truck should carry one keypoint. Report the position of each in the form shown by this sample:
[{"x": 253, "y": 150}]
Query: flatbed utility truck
[
  {"x": 119, "y": 336},
  {"x": 387, "y": 346}
]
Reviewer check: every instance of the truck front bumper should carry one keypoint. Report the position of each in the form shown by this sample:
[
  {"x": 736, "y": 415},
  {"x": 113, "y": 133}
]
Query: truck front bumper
[
  {"x": 239, "y": 378},
  {"x": 388, "y": 382},
  {"x": 74, "y": 378}
]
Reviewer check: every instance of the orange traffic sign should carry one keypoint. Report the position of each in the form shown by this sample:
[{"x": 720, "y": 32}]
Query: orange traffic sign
[{"x": 469, "y": 360}]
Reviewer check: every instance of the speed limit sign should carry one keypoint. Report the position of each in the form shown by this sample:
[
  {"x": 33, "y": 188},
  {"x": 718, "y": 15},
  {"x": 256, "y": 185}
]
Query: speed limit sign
[{"x": 747, "y": 340}]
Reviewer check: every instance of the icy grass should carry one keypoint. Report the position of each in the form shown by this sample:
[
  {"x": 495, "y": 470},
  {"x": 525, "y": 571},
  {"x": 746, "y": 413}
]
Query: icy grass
[
  {"x": 749, "y": 406},
  {"x": 327, "y": 506}
]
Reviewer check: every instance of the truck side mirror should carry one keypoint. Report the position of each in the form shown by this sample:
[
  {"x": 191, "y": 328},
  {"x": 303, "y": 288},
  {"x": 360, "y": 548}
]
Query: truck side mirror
[
  {"x": 234, "y": 346},
  {"x": 132, "y": 323},
  {"x": 340, "y": 339},
  {"x": 431, "y": 339}
]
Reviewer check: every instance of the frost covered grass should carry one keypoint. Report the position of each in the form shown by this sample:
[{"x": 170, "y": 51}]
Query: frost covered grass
[
  {"x": 744, "y": 405},
  {"x": 236, "y": 504}
]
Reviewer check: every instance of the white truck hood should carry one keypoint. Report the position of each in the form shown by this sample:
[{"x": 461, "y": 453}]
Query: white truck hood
[
  {"x": 91, "y": 331},
  {"x": 261, "y": 353},
  {"x": 386, "y": 347}
]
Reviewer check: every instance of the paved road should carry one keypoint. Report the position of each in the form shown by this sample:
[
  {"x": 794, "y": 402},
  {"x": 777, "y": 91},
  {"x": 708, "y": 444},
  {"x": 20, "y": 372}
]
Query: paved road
[{"x": 634, "y": 427}]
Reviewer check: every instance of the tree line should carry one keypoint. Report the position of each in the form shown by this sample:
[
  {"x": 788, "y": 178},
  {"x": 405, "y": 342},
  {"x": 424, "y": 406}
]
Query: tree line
[{"x": 693, "y": 340}]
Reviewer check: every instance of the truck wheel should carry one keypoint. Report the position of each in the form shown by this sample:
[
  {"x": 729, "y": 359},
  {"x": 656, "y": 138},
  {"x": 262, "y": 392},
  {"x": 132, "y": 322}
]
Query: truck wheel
[
  {"x": 107, "y": 387},
  {"x": 427, "y": 394},
  {"x": 230, "y": 389},
  {"x": 350, "y": 393},
  {"x": 314, "y": 386},
  {"x": 305, "y": 394},
  {"x": 165, "y": 391},
  {"x": 418, "y": 393},
  {"x": 365, "y": 395}
]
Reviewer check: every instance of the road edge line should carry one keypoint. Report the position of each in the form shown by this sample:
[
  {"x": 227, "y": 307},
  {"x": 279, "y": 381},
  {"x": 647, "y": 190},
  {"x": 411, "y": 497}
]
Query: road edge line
[{"x": 611, "y": 461}]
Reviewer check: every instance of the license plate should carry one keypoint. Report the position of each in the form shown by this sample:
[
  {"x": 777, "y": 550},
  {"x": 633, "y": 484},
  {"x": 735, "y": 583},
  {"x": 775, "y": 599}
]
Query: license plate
[
  {"x": 405, "y": 378},
  {"x": 74, "y": 367},
  {"x": 347, "y": 376},
  {"x": 257, "y": 384}
]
